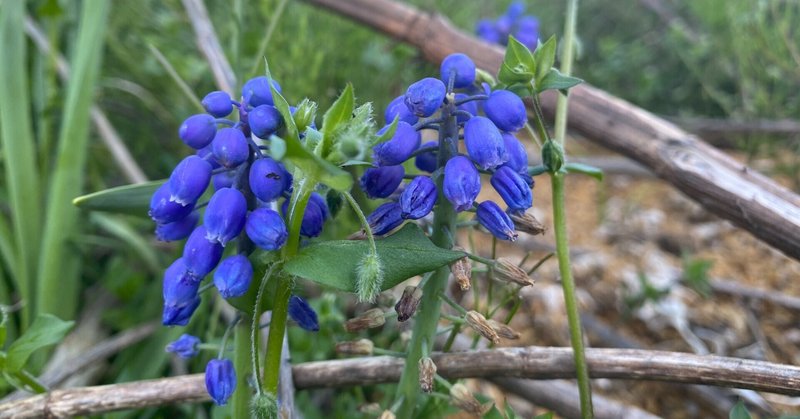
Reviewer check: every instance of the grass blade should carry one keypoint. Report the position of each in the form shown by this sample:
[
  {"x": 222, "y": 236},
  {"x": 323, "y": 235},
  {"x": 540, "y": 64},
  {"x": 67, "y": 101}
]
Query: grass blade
[{"x": 187, "y": 91}]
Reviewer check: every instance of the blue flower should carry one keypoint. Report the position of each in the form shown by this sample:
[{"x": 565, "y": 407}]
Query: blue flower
[
  {"x": 492, "y": 217},
  {"x": 223, "y": 180},
  {"x": 513, "y": 188},
  {"x": 484, "y": 143},
  {"x": 315, "y": 215},
  {"x": 165, "y": 211},
  {"x": 515, "y": 151},
  {"x": 506, "y": 110},
  {"x": 385, "y": 218},
  {"x": 462, "y": 183},
  {"x": 257, "y": 91},
  {"x": 189, "y": 180},
  {"x": 528, "y": 31},
  {"x": 428, "y": 160},
  {"x": 424, "y": 97},
  {"x": 185, "y": 347},
  {"x": 201, "y": 255},
  {"x": 397, "y": 149},
  {"x": 230, "y": 147},
  {"x": 180, "y": 295},
  {"x": 225, "y": 215},
  {"x": 398, "y": 108},
  {"x": 461, "y": 66},
  {"x": 233, "y": 276},
  {"x": 264, "y": 120},
  {"x": 302, "y": 313},
  {"x": 266, "y": 229},
  {"x": 380, "y": 182},
  {"x": 418, "y": 198},
  {"x": 487, "y": 31},
  {"x": 470, "y": 107},
  {"x": 220, "y": 380},
  {"x": 218, "y": 104},
  {"x": 177, "y": 230},
  {"x": 268, "y": 179},
  {"x": 197, "y": 131}
]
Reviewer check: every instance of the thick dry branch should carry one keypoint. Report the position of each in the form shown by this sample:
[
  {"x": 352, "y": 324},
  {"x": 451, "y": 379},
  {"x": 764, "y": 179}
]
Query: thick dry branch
[
  {"x": 529, "y": 362},
  {"x": 722, "y": 185}
]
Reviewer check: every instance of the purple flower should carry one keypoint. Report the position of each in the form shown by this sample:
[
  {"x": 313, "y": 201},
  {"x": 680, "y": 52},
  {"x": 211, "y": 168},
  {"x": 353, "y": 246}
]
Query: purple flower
[
  {"x": 484, "y": 143},
  {"x": 264, "y": 120},
  {"x": 428, "y": 160},
  {"x": 225, "y": 215},
  {"x": 230, "y": 147},
  {"x": 385, "y": 218},
  {"x": 207, "y": 154},
  {"x": 471, "y": 107},
  {"x": 197, "y": 131},
  {"x": 496, "y": 221},
  {"x": 302, "y": 313},
  {"x": 233, "y": 276},
  {"x": 513, "y": 188},
  {"x": 462, "y": 183},
  {"x": 180, "y": 295},
  {"x": 418, "y": 198},
  {"x": 185, "y": 347},
  {"x": 177, "y": 230},
  {"x": 461, "y": 66},
  {"x": 220, "y": 380},
  {"x": 165, "y": 211},
  {"x": 397, "y": 107},
  {"x": 266, "y": 229},
  {"x": 257, "y": 91},
  {"x": 380, "y": 182},
  {"x": 397, "y": 149},
  {"x": 424, "y": 97},
  {"x": 218, "y": 104},
  {"x": 268, "y": 179},
  {"x": 506, "y": 110},
  {"x": 515, "y": 151},
  {"x": 223, "y": 180},
  {"x": 199, "y": 254},
  {"x": 189, "y": 180},
  {"x": 487, "y": 31}
]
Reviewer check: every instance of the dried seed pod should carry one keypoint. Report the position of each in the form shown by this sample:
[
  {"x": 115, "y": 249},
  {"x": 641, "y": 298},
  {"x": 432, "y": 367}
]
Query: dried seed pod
[
  {"x": 503, "y": 330},
  {"x": 462, "y": 271},
  {"x": 527, "y": 223},
  {"x": 507, "y": 271},
  {"x": 462, "y": 398},
  {"x": 479, "y": 323},
  {"x": 408, "y": 303},
  {"x": 355, "y": 347},
  {"x": 371, "y": 318},
  {"x": 427, "y": 370}
]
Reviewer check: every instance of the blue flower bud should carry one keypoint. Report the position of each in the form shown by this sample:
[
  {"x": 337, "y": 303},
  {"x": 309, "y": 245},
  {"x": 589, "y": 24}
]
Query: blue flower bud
[
  {"x": 180, "y": 295},
  {"x": 486, "y": 30},
  {"x": 424, "y": 97},
  {"x": 513, "y": 188},
  {"x": 418, "y": 198},
  {"x": 230, "y": 147},
  {"x": 506, "y": 110},
  {"x": 462, "y": 183},
  {"x": 165, "y": 211},
  {"x": 189, "y": 180},
  {"x": 199, "y": 254},
  {"x": 197, "y": 131},
  {"x": 428, "y": 160},
  {"x": 385, "y": 218},
  {"x": 220, "y": 380},
  {"x": 398, "y": 148},
  {"x": 496, "y": 221},
  {"x": 380, "y": 182},
  {"x": 268, "y": 179},
  {"x": 266, "y": 229},
  {"x": 314, "y": 217},
  {"x": 177, "y": 230},
  {"x": 460, "y": 65},
  {"x": 223, "y": 180},
  {"x": 264, "y": 120},
  {"x": 302, "y": 313},
  {"x": 515, "y": 10},
  {"x": 233, "y": 276},
  {"x": 528, "y": 32},
  {"x": 397, "y": 107},
  {"x": 225, "y": 215},
  {"x": 207, "y": 154},
  {"x": 185, "y": 347},
  {"x": 257, "y": 92},
  {"x": 515, "y": 151},
  {"x": 471, "y": 107},
  {"x": 484, "y": 143},
  {"x": 218, "y": 104}
]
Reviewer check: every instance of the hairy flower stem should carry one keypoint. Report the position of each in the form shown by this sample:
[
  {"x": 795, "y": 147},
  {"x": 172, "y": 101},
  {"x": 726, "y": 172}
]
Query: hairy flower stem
[
  {"x": 444, "y": 228},
  {"x": 241, "y": 363}
]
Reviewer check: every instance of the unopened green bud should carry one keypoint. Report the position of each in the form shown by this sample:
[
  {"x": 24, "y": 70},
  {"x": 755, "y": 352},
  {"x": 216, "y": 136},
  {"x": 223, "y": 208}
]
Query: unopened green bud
[
  {"x": 264, "y": 406},
  {"x": 369, "y": 277},
  {"x": 305, "y": 114},
  {"x": 553, "y": 156}
]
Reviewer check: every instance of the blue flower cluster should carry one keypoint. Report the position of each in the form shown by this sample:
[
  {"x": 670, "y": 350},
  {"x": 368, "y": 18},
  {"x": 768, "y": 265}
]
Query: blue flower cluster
[
  {"x": 489, "y": 140},
  {"x": 525, "y": 28}
]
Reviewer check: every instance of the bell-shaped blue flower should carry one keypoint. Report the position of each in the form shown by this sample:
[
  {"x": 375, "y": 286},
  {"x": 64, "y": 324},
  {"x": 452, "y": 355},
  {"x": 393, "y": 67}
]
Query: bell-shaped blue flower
[
  {"x": 197, "y": 131},
  {"x": 515, "y": 151},
  {"x": 189, "y": 180},
  {"x": 302, "y": 313},
  {"x": 427, "y": 160},
  {"x": 264, "y": 120},
  {"x": 177, "y": 230},
  {"x": 268, "y": 179},
  {"x": 513, "y": 188},
  {"x": 462, "y": 68},
  {"x": 462, "y": 183},
  {"x": 424, "y": 97},
  {"x": 257, "y": 92},
  {"x": 385, "y": 218},
  {"x": 185, "y": 347},
  {"x": 418, "y": 198},
  {"x": 314, "y": 217},
  {"x": 230, "y": 147},
  {"x": 484, "y": 143},
  {"x": 397, "y": 149},
  {"x": 223, "y": 180},
  {"x": 266, "y": 229},
  {"x": 494, "y": 219},
  {"x": 225, "y": 215},
  {"x": 218, "y": 104},
  {"x": 180, "y": 295},
  {"x": 207, "y": 154},
  {"x": 398, "y": 108},
  {"x": 165, "y": 211},
  {"x": 233, "y": 276},
  {"x": 220, "y": 380},
  {"x": 380, "y": 182},
  {"x": 506, "y": 110},
  {"x": 470, "y": 107},
  {"x": 486, "y": 30},
  {"x": 201, "y": 255}
]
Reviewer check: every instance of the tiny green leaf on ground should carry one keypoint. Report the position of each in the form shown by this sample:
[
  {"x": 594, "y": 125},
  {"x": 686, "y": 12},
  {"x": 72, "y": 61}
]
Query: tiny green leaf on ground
[
  {"x": 46, "y": 330},
  {"x": 127, "y": 199},
  {"x": 404, "y": 254}
]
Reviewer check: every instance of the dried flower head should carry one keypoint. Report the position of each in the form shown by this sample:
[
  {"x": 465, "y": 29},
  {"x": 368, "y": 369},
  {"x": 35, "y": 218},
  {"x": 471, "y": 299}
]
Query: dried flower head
[
  {"x": 527, "y": 223},
  {"x": 507, "y": 271},
  {"x": 427, "y": 371},
  {"x": 479, "y": 323},
  {"x": 355, "y": 347},
  {"x": 462, "y": 398},
  {"x": 408, "y": 303},
  {"x": 503, "y": 330},
  {"x": 462, "y": 271},
  {"x": 371, "y": 318}
]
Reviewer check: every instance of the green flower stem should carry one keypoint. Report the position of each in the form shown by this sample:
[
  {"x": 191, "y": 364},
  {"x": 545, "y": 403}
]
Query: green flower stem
[
  {"x": 363, "y": 219},
  {"x": 242, "y": 366},
  {"x": 566, "y": 68},
  {"x": 31, "y": 381},
  {"x": 444, "y": 228}
]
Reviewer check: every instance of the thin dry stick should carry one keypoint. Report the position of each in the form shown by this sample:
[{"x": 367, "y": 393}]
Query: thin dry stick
[
  {"x": 208, "y": 42},
  {"x": 112, "y": 140},
  {"x": 529, "y": 362}
]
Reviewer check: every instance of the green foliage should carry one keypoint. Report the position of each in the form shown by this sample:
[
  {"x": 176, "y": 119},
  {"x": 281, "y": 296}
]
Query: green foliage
[
  {"x": 126, "y": 199},
  {"x": 695, "y": 274},
  {"x": 647, "y": 292},
  {"x": 584, "y": 169},
  {"x": 45, "y": 331},
  {"x": 739, "y": 411}
]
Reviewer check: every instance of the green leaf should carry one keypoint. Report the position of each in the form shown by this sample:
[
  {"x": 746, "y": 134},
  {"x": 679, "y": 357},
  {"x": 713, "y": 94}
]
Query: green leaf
[
  {"x": 388, "y": 134},
  {"x": 140, "y": 246},
  {"x": 584, "y": 169},
  {"x": 511, "y": 75},
  {"x": 404, "y": 254},
  {"x": 339, "y": 113},
  {"x": 46, "y": 330},
  {"x": 518, "y": 56},
  {"x": 557, "y": 81},
  {"x": 545, "y": 56},
  {"x": 356, "y": 163},
  {"x": 739, "y": 411},
  {"x": 127, "y": 199},
  {"x": 277, "y": 147}
]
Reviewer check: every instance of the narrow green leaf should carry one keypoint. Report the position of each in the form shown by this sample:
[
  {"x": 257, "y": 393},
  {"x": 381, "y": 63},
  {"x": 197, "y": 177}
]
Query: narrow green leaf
[
  {"x": 131, "y": 237},
  {"x": 739, "y": 412},
  {"x": 58, "y": 278},
  {"x": 545, "y": 56},
  {"x": 356, "y": 163},
  {"x": 519, "y": 56},
  {"x": 340, "y": 112},
  {"x": 46, "y": 330},
  {"x": 404, "y": 254},
  {"x": 127, "y": 199},
  {"x": 510, "y": 75},
  {"x": 537, "y": 170},
  {"x": 557, "y": 81},
  {"x": 584, "y": 169},
  {"x": 283, "y": 107},
  {"x": 388, "y": 134},
  {"x": 185, "y": 89}
]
